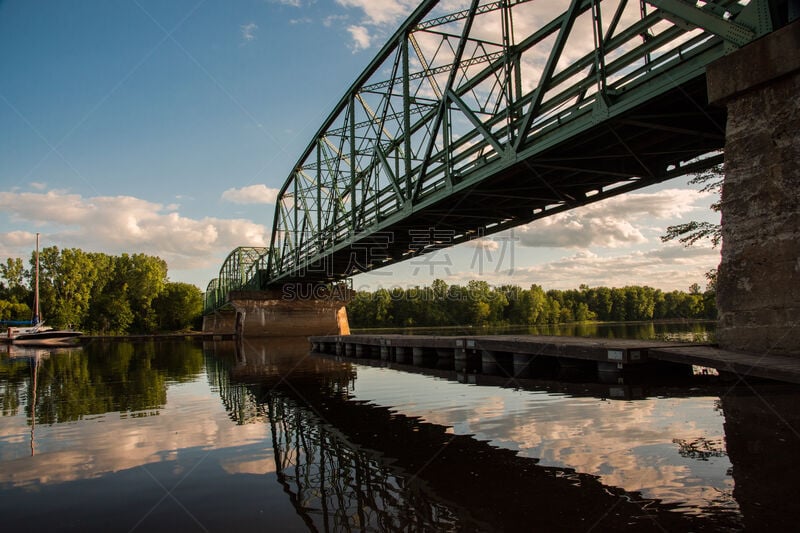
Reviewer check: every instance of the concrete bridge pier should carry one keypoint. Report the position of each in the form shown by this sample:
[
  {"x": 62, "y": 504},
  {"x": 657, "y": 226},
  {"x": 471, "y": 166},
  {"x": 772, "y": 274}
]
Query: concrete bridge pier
[
  {"x": 289, "y": 311},
  {"x": 220, "y": 322},
  {"x": 758, "y": 287}
]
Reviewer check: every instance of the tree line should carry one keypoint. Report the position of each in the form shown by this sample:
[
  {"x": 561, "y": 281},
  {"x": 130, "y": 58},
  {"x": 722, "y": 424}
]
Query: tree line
[
  {"x": 99, "y": 293},
  {"x": 479, "y": 304}
]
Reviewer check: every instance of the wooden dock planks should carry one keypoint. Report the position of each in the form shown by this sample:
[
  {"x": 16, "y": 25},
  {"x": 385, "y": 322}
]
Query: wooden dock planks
[
  {"x": 623, "y": 352},
  {"x": 777, "y": 367}
]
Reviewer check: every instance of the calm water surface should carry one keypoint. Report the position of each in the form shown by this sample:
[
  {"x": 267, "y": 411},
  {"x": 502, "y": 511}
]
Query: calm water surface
[{"x": 262, "y": 436}]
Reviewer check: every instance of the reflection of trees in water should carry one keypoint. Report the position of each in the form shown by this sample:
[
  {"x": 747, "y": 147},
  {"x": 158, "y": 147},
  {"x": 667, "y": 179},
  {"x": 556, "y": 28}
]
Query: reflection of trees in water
[
  {"x": 97, "y": 379},
  {"x": 700, "y": 448},
  {"x": 14, "y": 373}
]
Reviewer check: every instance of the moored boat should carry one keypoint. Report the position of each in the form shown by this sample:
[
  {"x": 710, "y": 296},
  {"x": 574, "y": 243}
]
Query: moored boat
[
  {"x": 41, "y": 335},
  {"x": 38, "y": 334}
]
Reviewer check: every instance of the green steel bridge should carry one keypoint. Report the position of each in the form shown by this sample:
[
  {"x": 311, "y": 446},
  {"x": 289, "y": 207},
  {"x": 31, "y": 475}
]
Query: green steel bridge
[{"x": 473, "y": 122}]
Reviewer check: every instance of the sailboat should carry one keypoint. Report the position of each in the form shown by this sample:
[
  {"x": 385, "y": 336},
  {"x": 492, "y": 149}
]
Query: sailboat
[{"x": 37, "y": 334}]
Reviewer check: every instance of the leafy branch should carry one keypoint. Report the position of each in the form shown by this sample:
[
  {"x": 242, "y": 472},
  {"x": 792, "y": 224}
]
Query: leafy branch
[{"x": 688, "y": 233}]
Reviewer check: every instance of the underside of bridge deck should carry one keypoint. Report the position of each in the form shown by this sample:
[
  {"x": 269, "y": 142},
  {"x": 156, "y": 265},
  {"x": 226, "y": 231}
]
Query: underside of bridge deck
[{"x": 647, "y": 145}]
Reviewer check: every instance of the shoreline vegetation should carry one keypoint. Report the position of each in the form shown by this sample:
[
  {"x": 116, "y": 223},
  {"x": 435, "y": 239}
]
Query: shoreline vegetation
[
  {"x": 99, "y": 293},
  {"x": 131, "y": 295},
  {"x": 477, "y": 304}
]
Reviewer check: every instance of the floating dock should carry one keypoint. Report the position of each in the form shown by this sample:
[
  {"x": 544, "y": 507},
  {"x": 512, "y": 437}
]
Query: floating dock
[{"x": 611, "y": 360}]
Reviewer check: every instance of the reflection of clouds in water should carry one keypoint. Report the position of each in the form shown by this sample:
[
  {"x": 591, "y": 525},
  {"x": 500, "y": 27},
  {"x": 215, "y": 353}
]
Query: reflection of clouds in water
[
  {"x": 629, "y": 444},
  {"x": 491, "y": 408},
  {"x": 115, "y": 442},
  {"x": 252, "y": 464}
]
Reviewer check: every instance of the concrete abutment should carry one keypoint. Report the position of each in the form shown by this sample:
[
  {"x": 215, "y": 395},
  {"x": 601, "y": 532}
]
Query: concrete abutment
[
  {"x": 758, "y": 287},
  {"x": 282, "y": 313}
]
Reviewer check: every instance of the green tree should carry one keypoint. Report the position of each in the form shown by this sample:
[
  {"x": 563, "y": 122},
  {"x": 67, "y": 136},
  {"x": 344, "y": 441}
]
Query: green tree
[
  {"x": 538, "y": 311},
  {"x": 109, "y": 310},
  {"x": 14, "y": 296},
  {"x": 480, "y": 307},
  {"x": 65, "y": 281},
  {"x": 145, "y": 277},
  {"x": 359, "y": 310},
  {"x": 516, "y": 310},
  {"x": 599, "y": 300},
  {"x": 12, "y": 310},
  {"x": 618, "y": 301},
  {"x": 583, "y": 314},
  {"x": 13, "y": 289},
  {"x": 178, "y": 306}
]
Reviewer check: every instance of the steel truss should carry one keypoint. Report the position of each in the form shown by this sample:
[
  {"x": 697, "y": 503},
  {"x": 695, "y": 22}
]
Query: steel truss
[
  {"x": 473, "y": 122},
  {"x": 239, "y": 269}
]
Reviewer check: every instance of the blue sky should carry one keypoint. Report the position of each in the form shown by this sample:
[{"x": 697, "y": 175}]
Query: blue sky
[{"x": 165, "y": 127}]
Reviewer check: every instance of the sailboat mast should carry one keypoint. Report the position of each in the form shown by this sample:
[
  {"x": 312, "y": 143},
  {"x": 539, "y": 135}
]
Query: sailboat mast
[{"x": 36, "y": 286}]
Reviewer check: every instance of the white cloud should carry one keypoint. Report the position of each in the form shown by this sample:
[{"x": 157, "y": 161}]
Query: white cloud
[
  {"x": 381, "y": 12},
  {"x": 252, "y": 194},
  {"x": 117, "y": 224},
  {"x": 361, "y": 37},
  {"x": 570, "y": 230},
  {"x": 485, "y": 244},
  {"x": 668, "y": 267},
  {"x": 609, "y": 223},
  {"x": 154, "y": 439},
  {"x": 379, "y": 17},
  {"x": 611, "y": 243},
  {"x": 249, "y": 31},
  {"x": 292, "y": 3}
]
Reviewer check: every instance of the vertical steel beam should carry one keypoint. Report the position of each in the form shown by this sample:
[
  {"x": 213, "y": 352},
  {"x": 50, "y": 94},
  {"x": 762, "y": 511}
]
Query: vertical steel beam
[
  {"x": 406, "y": 118},
  {"x": 320, "y": 229},
  {"x": 599, "y": 65},
  {"x": 353, "y": 173},
  {"x": 443, "y": 102},
  {"x": 568, "y": 19},
  {"x": 512, "y": 76}
]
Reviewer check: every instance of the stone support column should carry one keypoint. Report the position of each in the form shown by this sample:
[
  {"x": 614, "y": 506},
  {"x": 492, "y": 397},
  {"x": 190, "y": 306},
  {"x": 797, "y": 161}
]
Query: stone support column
[
  {"x": 220, "y": 322},
  {"x": 291, "y": 312},
  {"x": 758, "y": 288}
]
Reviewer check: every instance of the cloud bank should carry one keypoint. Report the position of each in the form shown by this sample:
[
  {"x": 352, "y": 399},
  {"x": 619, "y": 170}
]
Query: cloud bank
[
  {"x": 612, "y": 223},
  {"x": 123, "y": 224}
]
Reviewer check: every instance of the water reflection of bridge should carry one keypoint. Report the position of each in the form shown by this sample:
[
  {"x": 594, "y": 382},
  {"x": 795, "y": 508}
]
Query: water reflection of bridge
[
  {"x": 351, "y": 465},
  {"x": 333, "y": 485}
]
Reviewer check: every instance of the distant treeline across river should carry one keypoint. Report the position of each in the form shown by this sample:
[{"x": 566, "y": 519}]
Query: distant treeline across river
[{"x": 479, "y": 304}]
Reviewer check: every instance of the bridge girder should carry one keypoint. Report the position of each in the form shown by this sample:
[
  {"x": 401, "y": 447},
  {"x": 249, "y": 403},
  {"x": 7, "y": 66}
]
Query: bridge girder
[
  {"x": 473, "y": 122},
  {"x": 509, "y": 126}
]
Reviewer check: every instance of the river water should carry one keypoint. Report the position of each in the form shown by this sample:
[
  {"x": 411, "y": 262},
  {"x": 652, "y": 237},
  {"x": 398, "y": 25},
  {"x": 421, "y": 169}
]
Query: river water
[{"x": 263, "y": 436}]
